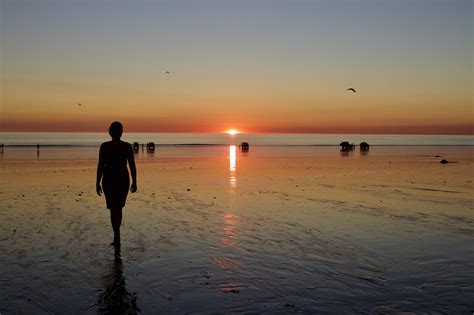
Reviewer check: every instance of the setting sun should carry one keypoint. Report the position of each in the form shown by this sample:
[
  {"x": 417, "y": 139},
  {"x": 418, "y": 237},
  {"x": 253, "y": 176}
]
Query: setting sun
[{"x": 232, "y": 132}]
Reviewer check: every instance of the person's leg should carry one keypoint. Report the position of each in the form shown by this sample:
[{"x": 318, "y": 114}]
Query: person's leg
[
  {"x": 118, "y": 223},
  {"x": 119, "y": 217},
  {"x": 116, "y": 220}
]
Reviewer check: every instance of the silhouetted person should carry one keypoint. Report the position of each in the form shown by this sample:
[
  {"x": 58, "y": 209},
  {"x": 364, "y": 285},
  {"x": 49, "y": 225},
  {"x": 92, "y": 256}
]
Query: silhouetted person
[{"x": 112, "y": 169}]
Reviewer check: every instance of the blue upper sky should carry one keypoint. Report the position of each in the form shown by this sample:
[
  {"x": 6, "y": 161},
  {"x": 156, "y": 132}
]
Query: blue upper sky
[{"x": 283, "y": 55}]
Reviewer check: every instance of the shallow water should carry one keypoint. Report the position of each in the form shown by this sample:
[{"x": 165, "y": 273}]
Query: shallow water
[
  {"x": 272, "y": 230},
  {"x": 95, "y": 138},
  {"x": 222, "y": 152}
]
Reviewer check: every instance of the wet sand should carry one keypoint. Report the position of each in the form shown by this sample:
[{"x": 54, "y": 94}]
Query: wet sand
[{"x": 291, "y": 230}]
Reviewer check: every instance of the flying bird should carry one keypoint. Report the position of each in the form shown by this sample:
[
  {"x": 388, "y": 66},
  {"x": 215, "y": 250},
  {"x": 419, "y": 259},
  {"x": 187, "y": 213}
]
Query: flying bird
[{"x": 352, "y": 89}]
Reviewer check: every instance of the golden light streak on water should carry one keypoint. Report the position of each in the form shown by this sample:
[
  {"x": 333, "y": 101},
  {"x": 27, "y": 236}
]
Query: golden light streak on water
[{"x": 232, "y": 167}]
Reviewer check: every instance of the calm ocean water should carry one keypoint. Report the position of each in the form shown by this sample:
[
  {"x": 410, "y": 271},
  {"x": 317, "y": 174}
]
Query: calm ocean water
[{"x": 94, "y": 139}]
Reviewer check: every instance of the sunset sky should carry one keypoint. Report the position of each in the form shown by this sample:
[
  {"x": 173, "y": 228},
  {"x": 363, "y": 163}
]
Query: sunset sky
[{"x": 254, "y": 66}]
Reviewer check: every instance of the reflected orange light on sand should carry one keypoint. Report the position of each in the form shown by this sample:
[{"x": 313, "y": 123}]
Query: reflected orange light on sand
[
  {"x": 232, "y": 158},
  {"x": 230, "y": 233},
  {"x": 227, "y": 239},
  {"x": 229, "y": 223},
  {"x": 232, "y": 167},
  {"x": 230, "y": 219}
]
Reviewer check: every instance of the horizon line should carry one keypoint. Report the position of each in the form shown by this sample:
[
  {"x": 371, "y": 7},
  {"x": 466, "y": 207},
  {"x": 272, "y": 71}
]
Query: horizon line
[{"x": 255, "y": 133}]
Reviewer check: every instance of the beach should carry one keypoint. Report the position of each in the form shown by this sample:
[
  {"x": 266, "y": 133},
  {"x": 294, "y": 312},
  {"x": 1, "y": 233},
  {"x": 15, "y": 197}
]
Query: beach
[{"x": 212, "y": 229}]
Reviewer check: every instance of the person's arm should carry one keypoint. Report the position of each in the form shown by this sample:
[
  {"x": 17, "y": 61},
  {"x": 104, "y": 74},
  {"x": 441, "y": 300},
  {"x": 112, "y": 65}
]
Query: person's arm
[
  {"x": 133, "y": 170},
  {"x": 100, "y": 172}
]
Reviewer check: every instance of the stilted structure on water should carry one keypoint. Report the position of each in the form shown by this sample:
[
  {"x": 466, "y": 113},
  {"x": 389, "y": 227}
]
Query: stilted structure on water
[
  {"x": 150, "y": 147},
  {"x": 346, "y": 146},
  {"x": 364, "y": 146},
  {"x": 244, "y": 146},
  {"x": 135, "y": 147}
]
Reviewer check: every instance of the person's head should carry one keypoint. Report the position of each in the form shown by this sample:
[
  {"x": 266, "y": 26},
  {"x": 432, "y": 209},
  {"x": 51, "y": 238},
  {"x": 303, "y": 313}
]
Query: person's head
[{"x": 115, "y": 130}]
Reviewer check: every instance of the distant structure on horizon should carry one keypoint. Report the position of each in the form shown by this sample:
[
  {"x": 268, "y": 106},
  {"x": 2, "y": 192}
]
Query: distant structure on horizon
[
  {"x": 150, "y": 147},
  {"x": 364, "y": 146},
  {"x": 346, "y": 146},
  {"x": 244, "y": 146},
  {"x": 135, "y": 147}
]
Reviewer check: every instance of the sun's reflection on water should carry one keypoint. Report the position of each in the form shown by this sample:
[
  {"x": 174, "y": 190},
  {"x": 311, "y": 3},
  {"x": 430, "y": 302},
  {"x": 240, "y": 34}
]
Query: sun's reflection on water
[
  {"x": 228, "y": 231},
  {"x": 232, "y": 167}
]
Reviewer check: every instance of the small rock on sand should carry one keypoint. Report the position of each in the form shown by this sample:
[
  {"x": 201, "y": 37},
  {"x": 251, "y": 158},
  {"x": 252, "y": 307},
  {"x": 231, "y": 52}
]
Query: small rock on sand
[
  {"x": 443, "y": 161},
  {"x": 189, "y": 189}
]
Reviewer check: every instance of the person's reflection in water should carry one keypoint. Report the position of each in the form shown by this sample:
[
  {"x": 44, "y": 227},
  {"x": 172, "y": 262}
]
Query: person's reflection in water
[
  {"x": 112, "y": 169},
  {"x": 116, "y": 299}
]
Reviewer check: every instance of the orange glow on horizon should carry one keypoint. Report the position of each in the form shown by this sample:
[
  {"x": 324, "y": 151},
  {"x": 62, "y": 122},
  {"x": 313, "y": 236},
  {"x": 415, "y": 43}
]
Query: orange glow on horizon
[
  {"x": 184, "y": 124},
  {"x": 232, "y": 132}
]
